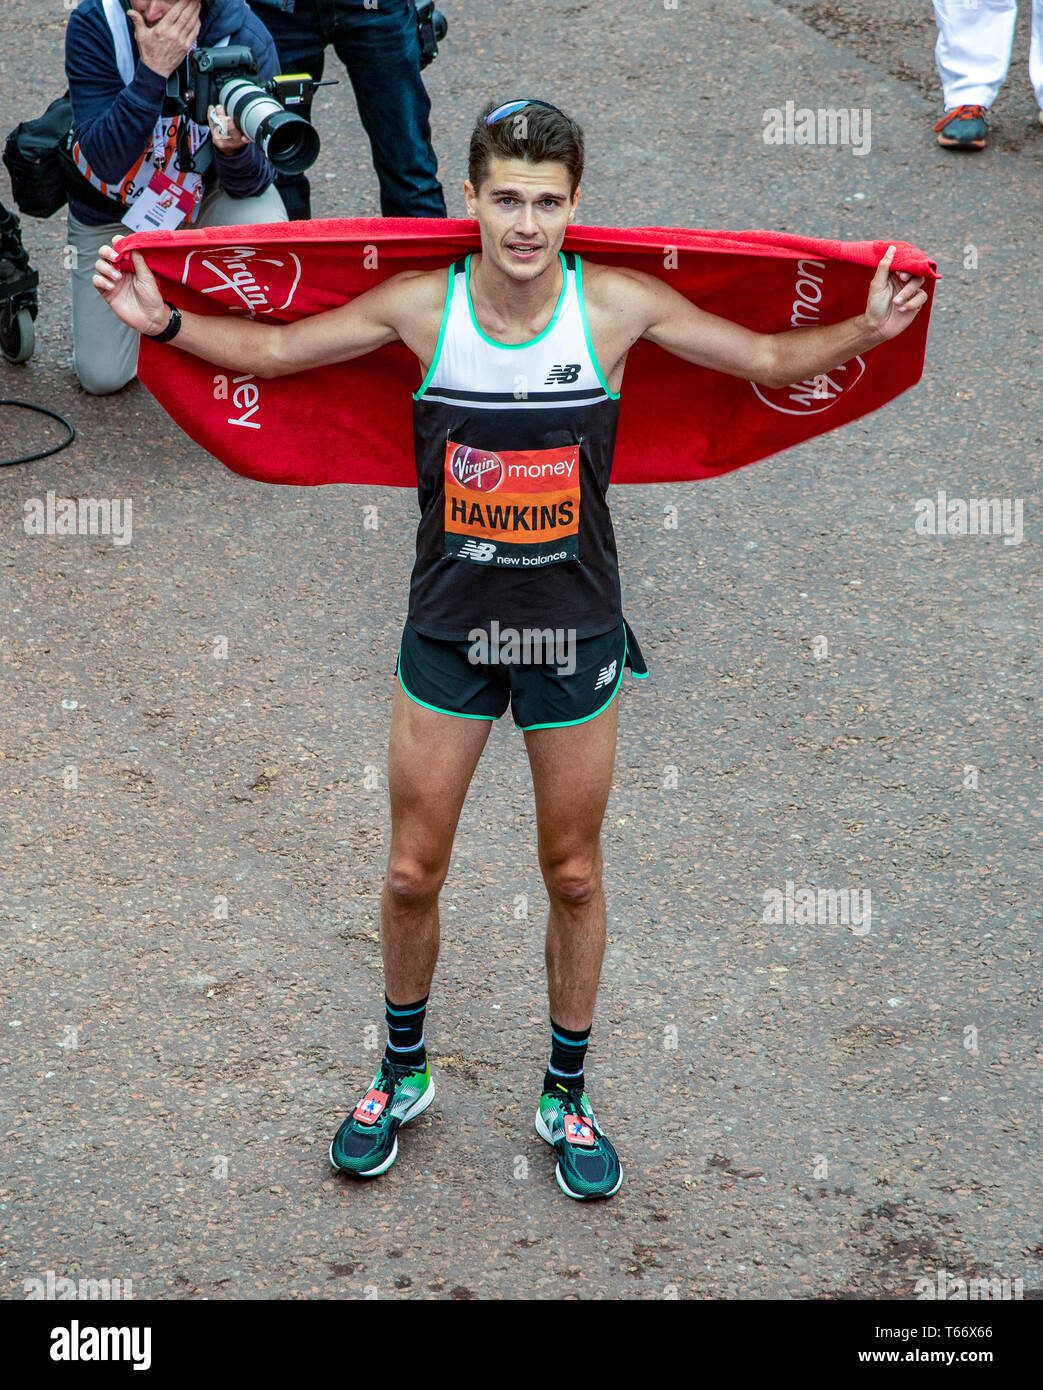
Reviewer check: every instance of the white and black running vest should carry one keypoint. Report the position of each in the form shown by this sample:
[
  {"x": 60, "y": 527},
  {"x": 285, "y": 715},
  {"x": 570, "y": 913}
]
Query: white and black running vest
[{"x": 514, "y": 447}]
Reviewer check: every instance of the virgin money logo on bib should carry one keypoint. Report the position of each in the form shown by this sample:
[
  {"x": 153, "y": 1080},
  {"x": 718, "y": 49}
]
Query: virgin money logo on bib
[
  {"x": 473, "y": 468},
  {"x": 247, "y": 279},
  {"x": 816, "y": 394}
]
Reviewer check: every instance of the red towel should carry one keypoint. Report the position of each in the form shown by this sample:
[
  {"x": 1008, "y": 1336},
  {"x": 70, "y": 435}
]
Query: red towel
[{"x": 352, "y": 423}]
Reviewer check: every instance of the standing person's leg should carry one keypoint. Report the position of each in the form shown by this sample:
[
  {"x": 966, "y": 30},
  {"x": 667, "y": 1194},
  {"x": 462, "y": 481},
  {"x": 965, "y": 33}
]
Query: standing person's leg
[
  {"x": 431, "y": 760},
  {"x": 572, "y": 777},
  {"x": 1036, "y": 54},
  {"x": 104, "y": 349},
  {"x": 973, "y": 49},
  {"x": 381, "y": 51},
  {"x": 301, "y": 44}
]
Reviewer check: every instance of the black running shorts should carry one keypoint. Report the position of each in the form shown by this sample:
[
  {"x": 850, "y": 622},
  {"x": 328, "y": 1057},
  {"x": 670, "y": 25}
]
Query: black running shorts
[{"x": 473, "y": 682}]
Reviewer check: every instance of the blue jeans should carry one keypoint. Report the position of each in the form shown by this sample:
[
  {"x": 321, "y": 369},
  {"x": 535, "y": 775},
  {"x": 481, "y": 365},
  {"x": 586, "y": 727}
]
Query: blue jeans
[{"x": 381, "y": 51}]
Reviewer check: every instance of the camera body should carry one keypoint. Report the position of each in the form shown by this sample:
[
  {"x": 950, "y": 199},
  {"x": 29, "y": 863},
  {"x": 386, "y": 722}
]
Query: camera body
[
  {"x": 432, "y": 27},
  {"x": 227, "y": 76},
  {"x": 210, "y": 69}
]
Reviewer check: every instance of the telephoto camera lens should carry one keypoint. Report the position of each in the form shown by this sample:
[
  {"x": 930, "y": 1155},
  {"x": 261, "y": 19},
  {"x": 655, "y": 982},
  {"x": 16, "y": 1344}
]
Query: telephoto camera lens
[{"x": 289, "y": 142}]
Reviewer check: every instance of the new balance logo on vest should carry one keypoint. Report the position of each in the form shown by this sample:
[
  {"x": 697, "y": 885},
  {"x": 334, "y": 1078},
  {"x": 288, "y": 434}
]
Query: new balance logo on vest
[
  {"x": 482, "y": 551},
  {"x": 563, "y": 375}
]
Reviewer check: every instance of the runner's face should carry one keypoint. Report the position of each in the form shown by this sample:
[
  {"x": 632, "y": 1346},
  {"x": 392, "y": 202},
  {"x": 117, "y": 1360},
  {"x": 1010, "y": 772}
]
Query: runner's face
[
  {"x": 153, "y": 10},
  {"x": 523, "y": 210}
]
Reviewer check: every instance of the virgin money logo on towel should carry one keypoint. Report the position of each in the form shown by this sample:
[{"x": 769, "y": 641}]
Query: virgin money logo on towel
[
  {"x": 816, "y": 394},
  {"x": 476, "y": 469},
  {"x": 250, "y": 280}
]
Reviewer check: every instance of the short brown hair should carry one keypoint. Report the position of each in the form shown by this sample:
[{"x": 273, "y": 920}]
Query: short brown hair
[{"x": 534, "y": 133}]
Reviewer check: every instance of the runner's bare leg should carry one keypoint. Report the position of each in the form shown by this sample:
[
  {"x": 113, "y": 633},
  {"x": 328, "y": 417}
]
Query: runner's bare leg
[
  {"x": 572, "y": 777},
  {"x": 431, "y": 760}
]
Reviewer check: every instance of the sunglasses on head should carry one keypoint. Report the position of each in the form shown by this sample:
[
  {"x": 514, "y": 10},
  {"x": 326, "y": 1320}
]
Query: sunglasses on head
[{"x": 509, "y": 108}]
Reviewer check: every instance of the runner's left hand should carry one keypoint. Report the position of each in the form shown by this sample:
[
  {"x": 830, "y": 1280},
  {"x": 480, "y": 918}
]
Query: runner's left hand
[{"x": 894, "y": 299}]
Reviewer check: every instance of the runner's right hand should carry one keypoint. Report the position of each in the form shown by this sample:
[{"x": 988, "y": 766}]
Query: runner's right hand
[
  {"x": 133, "y": 298},
  {"x": 164, "y": 45}
]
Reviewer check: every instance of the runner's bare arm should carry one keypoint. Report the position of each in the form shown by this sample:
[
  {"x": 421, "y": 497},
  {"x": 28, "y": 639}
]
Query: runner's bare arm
[
  {"x": 650, "y": 309},
  {"x": 400, "y": 308}
]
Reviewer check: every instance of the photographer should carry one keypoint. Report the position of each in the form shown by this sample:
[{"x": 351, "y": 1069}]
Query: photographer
[
  {"x": 379, "y": 46},
  {"x": 132, "y": 150}
]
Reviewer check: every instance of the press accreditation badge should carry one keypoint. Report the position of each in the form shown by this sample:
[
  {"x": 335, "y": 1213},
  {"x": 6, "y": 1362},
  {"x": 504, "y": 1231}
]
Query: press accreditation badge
[
  {"x": 514, "y": 509},
  {"x": 163, "y": 205}
]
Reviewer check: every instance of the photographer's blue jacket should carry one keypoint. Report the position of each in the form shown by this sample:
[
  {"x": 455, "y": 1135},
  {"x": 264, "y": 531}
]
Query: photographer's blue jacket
[{"x": 114, "y": 123}]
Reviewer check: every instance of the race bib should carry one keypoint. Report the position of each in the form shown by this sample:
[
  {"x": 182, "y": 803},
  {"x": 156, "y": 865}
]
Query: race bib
[{"x": 514, "y": 509}]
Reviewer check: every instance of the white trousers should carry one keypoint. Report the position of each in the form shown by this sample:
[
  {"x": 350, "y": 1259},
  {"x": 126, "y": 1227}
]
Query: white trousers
[
  {"x": 104, "y": 348},
  {"x": 975, "y": 38}
]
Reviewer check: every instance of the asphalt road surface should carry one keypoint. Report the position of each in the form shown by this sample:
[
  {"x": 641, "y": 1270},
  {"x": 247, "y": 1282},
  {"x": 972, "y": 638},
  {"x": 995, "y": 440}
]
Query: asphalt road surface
[{"x": 804, "y": 1111}]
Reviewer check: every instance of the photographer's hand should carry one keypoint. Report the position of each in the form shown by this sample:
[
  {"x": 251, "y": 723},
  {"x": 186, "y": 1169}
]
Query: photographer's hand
[
  {"x": 165, "y": 45},
  {"x": 135, "y": 299},
  {"x": 224, "y": 132}
]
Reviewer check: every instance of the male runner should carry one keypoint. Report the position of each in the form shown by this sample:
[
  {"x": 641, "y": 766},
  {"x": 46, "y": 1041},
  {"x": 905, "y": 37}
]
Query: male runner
[{"x": 522, "y": 350}]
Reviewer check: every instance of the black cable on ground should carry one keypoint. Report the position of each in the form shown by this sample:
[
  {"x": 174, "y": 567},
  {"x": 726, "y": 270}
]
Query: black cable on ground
[{"x": 42, "y": 410}]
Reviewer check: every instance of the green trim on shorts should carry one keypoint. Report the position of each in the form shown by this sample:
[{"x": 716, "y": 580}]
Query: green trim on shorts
[
  {"x": 568, "y": 723},
  {"x": 454, "y": 713}
]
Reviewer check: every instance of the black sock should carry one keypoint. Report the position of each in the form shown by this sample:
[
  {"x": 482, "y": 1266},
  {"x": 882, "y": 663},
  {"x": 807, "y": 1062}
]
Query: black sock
[
  {"x": 567, "y": 1052},
  {"x": 405, "y": 1041}
]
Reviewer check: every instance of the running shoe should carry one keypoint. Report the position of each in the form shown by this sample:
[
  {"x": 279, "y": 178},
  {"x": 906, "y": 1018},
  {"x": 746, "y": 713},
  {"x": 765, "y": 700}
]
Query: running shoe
[
  {"x": 367, "y": 1142},
  {"x": 962, "y": 128},
  {"x": 588, "y": 1165}
]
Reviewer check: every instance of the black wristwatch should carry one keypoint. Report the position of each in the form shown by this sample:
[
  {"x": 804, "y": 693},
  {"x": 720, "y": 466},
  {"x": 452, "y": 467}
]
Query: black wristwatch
[{"x": 171, "y": 329}]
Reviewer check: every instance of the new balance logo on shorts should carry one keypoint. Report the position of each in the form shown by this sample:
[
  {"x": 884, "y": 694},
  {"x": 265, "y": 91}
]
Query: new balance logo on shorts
[
  {"x": 477, "y": 550},
  {"x": 605, "y": 675},
  {"x": 562, "y": 375}
]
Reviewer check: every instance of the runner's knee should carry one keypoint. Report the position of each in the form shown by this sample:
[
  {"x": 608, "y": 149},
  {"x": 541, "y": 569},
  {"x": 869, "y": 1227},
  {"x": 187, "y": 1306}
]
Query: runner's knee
[
  {"x": 411, "y": 883},
  {"x": 574, "y": 880}
]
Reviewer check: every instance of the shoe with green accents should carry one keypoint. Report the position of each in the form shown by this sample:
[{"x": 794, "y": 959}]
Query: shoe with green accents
[
  {"x": 367, "y": 1142},
  {"x": 588, "y": 1165}
]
